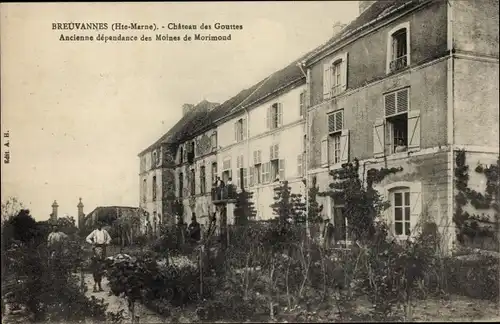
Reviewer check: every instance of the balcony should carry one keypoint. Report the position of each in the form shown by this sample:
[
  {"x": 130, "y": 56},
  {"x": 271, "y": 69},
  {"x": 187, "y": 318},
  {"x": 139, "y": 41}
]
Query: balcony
[
  {"x": 221, "y": 195},
  {"x": 399, "y": 63}
]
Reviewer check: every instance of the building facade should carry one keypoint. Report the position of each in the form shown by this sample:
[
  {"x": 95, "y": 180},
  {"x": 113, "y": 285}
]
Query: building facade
[
  {"x": 407, "y": 84},
  {"x": 262, "y": 141},
  {"x": 385, "y": 90}
]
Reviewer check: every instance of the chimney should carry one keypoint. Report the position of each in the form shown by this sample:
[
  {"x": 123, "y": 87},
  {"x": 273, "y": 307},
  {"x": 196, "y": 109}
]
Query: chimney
[
  {"x": 337, "y": 28},
  {"x": 186, "y": 108},
  {"x": 81, "y": 215},
  {"x": 53, "y": 216},
  {"x": 363, "y": 5}
]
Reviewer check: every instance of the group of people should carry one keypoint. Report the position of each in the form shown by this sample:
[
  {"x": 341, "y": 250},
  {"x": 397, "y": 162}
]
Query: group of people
[{"x": 98, "y": 238}]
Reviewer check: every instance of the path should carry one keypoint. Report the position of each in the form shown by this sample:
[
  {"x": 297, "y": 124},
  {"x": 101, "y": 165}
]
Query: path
[{"x": 115, "y": 304}]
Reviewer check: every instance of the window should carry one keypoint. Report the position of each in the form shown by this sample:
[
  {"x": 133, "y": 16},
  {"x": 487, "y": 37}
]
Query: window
[
  {"x": 144, "y": 190},
  {"x": 266, "y": 172},
  {"x": 226, "y": 170},
  {"x": 335, "y": 146},
  {"x": 340, "y": 223},
  {"x": 398, "y": 48},
  {"x": 190, "y": 152},
  {"x": 240, "y": 130},
  {"x": 203, "y": 180},
  {"x": 300, "y": 165},
  {"x": 154, "y": 188},
  {"x": 302, "y": 103},
  {"x": 213, "y": 142},
  {"x": 214, "y": 172},
  {"x": 401, "y": 212},
  {"x": 276, "y": 165},
  {"x": 143, "y": 164},
  {"x": 192, "y": 182},
  {"x": 399, "y": 131},
  {"x": 335, "y": 76},
  {"x": 239, "y": 168},
  {"x": 256, "y": 171},
  {"x": 275, "y": 116},
  {"x": 155, "y": 158},
  {"x": 181, "y": 155},
  {"x": 181, "y": 184}
]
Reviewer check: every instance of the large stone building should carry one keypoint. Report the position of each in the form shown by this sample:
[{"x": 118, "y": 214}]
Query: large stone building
[{"x": 406, "y": 84}]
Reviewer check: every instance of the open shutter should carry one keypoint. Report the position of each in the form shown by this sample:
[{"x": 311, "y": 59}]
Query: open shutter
[
  {"x": 344, "y": 146},
  {"x": 268, "y": 118},
  {"x": 280, "y": 114},
  {"x": 245, "y": 178},
  {"x": 324, "y": 151},
  {"x": 250, "y": 176},
  {"x": 344, "y": 71},
  {"x": 244, "y": 127},
  {"x": 378, "y": 138},
  {"x": 415, "y": 206},
  {"x": 259, "y": 156},
  {"x": 271, "y": 152},
  {"x": 413, "y": 129},
  {"x": 326, "y": 80},
  {"x": 276, "y": 151},
  {"x": 282, "y": 170},
  {"x": 236, "y": 131},
  {"x": 231, "y": 173},
  {"x": 299, "y": 165}
]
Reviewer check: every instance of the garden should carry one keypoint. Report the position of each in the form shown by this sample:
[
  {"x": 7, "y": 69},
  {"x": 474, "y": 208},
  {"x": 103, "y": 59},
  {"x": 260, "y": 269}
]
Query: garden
[{"x": 275, "y": 271}]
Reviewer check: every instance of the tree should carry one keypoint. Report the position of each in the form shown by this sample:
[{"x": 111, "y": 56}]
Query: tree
[
  {"x": 244, "y": 209},
  {"x": 315, "y": 209},
  {"x": 10, "y": 208},
  {"x": 362, "y": 204},
  {"x": 288, "y": 205}
]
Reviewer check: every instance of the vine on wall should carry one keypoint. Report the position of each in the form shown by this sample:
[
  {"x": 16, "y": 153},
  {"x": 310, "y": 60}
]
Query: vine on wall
[
  {"x": 362, "y": 204},
  {"x": 468, "y": 224}
]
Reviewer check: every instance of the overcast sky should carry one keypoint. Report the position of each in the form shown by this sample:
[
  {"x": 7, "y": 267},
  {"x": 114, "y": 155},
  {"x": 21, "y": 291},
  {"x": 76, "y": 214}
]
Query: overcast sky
[{"x": 78, "y": 113}]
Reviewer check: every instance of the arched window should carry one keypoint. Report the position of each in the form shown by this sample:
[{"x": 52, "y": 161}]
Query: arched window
[
  {"x": 181, "y": 184},
  {"x": 398, "y": 48},
  {"x": 406, "y": 207},
  {"x": 144, "y": 190}
]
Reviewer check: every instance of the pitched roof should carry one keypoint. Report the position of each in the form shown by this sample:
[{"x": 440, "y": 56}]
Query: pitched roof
[
  {"x": 189, "y": 119},
  {"x": 108, "y": 212},
  {"x": 373, "y": 13}
]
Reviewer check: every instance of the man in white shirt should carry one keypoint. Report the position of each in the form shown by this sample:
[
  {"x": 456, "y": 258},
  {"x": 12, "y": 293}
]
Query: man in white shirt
[
  {"x": 55, "y": 241},
  {"x": 99, "y": 238}
]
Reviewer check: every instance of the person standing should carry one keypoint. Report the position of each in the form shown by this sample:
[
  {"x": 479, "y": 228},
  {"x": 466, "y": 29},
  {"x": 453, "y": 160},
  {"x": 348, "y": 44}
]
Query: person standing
[
  {"x": 99, "y": 238},
  {"x": 328, "y": 232},
  {"x": 194, "y": 230},
  {"x": 55, "y": 241}
]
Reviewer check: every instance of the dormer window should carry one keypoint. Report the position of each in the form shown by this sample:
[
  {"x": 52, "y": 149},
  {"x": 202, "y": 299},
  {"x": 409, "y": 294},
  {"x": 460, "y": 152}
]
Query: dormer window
[
  {"x": 335, "y": 76},
  {"x": 398, "y": 48}
]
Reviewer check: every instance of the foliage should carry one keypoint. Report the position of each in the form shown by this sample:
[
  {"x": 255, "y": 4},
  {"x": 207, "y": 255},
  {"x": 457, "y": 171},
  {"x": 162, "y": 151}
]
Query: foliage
[
  {"x": 470, "y": 225},
  {"x": 45, "y": 286},
  {"x": 10, "y": 208},
  {"x": 314, "y": 209},
  {"x": 287, "y": 205},
  {"x": 244, "y": 210},
  {"x": 362, "y": 205}
]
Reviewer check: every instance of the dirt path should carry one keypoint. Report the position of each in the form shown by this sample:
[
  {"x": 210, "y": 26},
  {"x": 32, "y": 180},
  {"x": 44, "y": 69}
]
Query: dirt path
[{"x": 115, "y": 304}]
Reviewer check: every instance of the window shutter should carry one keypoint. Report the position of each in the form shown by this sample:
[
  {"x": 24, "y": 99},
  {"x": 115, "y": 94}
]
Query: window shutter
[
  {"x": 344, "y": 146},
  {"x": 331, "y": 123},
  {"x": 339, "y": 120},
  {"x": 268, "y": 119},
  {"x": 390, "y": 104},
  {"x": 282, "y": 169},
  {"x": 324, "y": 151},
  {"x": 250, "y": 176},
  {"x": 259, "y": 156},
  {"x": 415, "y": 206},
  {"x": 280, "y": 114},
  {"x": 276, "y": 151},
  {"x": 254, "y": 157},
  {"x": 344, "y": 71},
  {"x": 236, "y": 131},
  {"x": 413, "y": 129},
  {"x": 244, "y": 128},
  {"x": 231, "y": 173},
  {"x": 378, "y": 138},
  {"x": 271, "y": 152},
  {"x": 245, "y": 178},
  {"x": 402, "y": 100},
  {"x": 327, "y": 71},
  {"x": 299, "y": 165}
]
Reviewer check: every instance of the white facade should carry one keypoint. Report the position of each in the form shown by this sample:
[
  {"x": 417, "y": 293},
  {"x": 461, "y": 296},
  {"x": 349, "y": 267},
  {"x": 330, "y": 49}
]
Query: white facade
[{"x": 267, "y": 142}]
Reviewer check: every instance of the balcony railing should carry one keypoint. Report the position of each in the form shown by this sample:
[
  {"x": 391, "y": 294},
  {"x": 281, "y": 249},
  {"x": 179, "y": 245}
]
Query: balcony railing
[
  {"x": 220, "y": 194},
  {"x": 399, "y": 63}
]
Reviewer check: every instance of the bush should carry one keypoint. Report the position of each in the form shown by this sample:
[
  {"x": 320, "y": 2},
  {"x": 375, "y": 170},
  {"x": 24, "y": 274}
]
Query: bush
[{"x": 475, "y": 278}]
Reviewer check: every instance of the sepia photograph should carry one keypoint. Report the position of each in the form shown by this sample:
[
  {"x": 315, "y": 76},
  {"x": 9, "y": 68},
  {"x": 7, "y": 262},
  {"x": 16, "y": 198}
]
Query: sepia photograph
[{"x": 250, "y": 161}]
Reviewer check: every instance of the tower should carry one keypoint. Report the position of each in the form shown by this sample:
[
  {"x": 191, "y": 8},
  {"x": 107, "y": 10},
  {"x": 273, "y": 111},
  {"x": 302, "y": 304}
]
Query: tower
[
  {"x": 81, "y": 215},
  {"x": 53, "y": 216}
]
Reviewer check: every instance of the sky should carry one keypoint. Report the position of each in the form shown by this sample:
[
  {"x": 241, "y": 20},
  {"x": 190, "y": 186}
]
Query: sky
[{"x": 78, "y": 113}]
